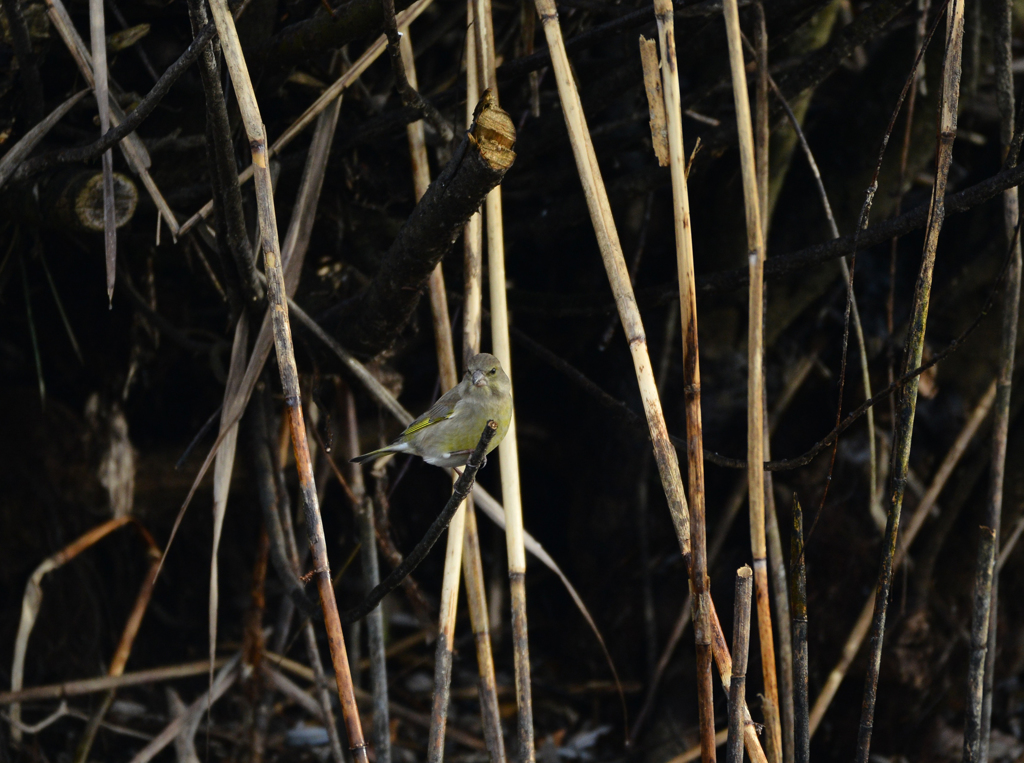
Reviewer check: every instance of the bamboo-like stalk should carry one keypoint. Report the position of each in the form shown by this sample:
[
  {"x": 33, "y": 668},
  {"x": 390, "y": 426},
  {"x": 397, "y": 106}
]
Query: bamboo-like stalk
[
  {"x": 798, "y": 614},
  {"x": 363, "y": 506},
  {"x": 625, "y": 300},
  {"x": 740, "y": 642},
  {"x": 611, "y": 255},
  {"x": 1003, "y": 46},
  {"x": 691, "y": 377},
  {"x": 469, "y": 538},
  {"x": 778, "y": 578},
  {"x": 472, "y": 559},
  {"x": 508, "y": 451},
  {"x": 85, "y": 686},
  {"x": 446, "y": 365},
  {"x": 732, "y": 507},
  {"x": 286, "y": 361},
  {"x": 473, "y": 235},
  {"x": 907, "y": 402},
  {"x": 755, "y": 380},
  {"x": 924, "y": 508}
]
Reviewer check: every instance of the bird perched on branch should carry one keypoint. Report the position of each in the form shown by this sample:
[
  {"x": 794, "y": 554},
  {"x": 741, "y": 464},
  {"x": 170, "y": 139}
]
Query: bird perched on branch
[{"x": 446, "y": 434}]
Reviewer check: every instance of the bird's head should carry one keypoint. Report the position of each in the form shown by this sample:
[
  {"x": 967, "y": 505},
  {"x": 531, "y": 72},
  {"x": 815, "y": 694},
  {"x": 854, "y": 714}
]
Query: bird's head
[{"x": 484, "y": 371}]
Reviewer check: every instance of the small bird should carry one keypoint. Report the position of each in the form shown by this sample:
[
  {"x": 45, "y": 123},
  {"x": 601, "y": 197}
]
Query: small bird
[{"x": 447, "y": 434}]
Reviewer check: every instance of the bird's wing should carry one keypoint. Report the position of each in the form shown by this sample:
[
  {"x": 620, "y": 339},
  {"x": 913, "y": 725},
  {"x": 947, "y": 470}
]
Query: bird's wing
[{"x": 443, "y": 409}]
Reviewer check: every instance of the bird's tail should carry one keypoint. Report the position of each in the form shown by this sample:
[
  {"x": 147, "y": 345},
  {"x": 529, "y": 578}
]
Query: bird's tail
[{"x": 373, "y": 454}]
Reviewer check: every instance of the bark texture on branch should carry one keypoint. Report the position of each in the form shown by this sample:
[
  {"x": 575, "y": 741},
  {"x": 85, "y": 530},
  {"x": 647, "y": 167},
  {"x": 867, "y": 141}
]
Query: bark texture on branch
[
  {"x": 371, "y": 324},
  {"x": 303, "y": 39}
]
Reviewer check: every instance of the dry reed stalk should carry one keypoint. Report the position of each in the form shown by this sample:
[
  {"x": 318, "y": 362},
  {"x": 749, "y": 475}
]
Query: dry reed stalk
[
  {"x": 132, "y": 147},
  {"x": 84, "y": 686},
  {"x": 664, "y": 14},
  {"x": 924, "y": 508},
  {"x": 222, "y": 470},
  {"x": 468, "y": 539},
  {"x": 907, "y": 401},
  {"x": 732, "y": 507},
  {"x": 327, "y": 97},
  {"x": 625, "y": 300},
  {"x": 98, "y": 39},
  {"x": 777, "y": 565},
  {"x": 363, "y": 506},
  {"x": 473, "y": 235},
  {"x": 472, "y": 561},
  {"x": 798, "y": 610},
  {"x": 508, "y": 451},
  {"x": 740, "y": 642},
  {"x": 33, "y": 600},
  {"x": 755, "y": 380},
  {"x": 286, "y": 361},
  {"x": 1003, "y": 46}
]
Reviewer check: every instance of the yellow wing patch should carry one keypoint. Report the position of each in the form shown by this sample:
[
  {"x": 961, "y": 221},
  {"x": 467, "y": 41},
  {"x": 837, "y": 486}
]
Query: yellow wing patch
[{"x": 417, "y": 426}]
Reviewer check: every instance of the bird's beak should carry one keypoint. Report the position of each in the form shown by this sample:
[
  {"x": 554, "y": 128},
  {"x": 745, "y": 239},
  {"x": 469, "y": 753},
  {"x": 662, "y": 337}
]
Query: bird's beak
[{"x": 479, "y": 379}]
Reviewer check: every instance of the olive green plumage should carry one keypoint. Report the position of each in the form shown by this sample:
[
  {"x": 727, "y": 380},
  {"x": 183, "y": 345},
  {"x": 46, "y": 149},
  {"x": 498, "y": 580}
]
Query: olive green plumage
[{"x": 447, "y": 434}]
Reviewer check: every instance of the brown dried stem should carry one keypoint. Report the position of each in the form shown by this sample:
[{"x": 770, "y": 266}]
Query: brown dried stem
[
  {"x": 755, "y": 380},
  {"x": 618, "y": 276},
  {"x": 286, "y": 361},
  {"x": 508, "y": 451},
  {"x": 691, "y": 377},
  {"x": 740, "y": 642}
]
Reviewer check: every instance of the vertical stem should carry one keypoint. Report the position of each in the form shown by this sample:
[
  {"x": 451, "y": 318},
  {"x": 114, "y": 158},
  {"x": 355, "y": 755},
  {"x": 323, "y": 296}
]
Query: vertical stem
[
  {"x": 472, "y": 560},
  {"x": 508, "y": 451},
  {"x": 632, "y": 325},
  {"x": 469, "y": 538},
  {"x": 286, "y": 362},
  {"x": 363, "y": 506},
  {"x": 755, "y": 381},
  {"x": 1003, "y": 47},
  {"x": 691, "y": 378},
  {"x": 740, "y": 642},
  {"x": 473, "y": 235},
  {"x": 907, "y": 403},
  {"x": 761, "y": 144},
  {"x": 778, "y": 579},
  {"x": 798, "y": 614},
  {"x": 979, "y": 643}
]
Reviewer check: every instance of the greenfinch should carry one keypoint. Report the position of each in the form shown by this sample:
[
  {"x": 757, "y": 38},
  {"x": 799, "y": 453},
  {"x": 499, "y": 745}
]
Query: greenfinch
[{"x": 447, "y": 434}]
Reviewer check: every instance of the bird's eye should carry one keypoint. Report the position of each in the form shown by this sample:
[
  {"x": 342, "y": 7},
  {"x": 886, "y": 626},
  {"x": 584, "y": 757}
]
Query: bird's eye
[{"x": 493, "y": 371}]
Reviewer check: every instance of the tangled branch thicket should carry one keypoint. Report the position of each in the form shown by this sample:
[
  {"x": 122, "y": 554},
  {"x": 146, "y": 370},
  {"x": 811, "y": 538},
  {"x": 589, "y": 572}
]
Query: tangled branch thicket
[{"x": 289, "y": 285}]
